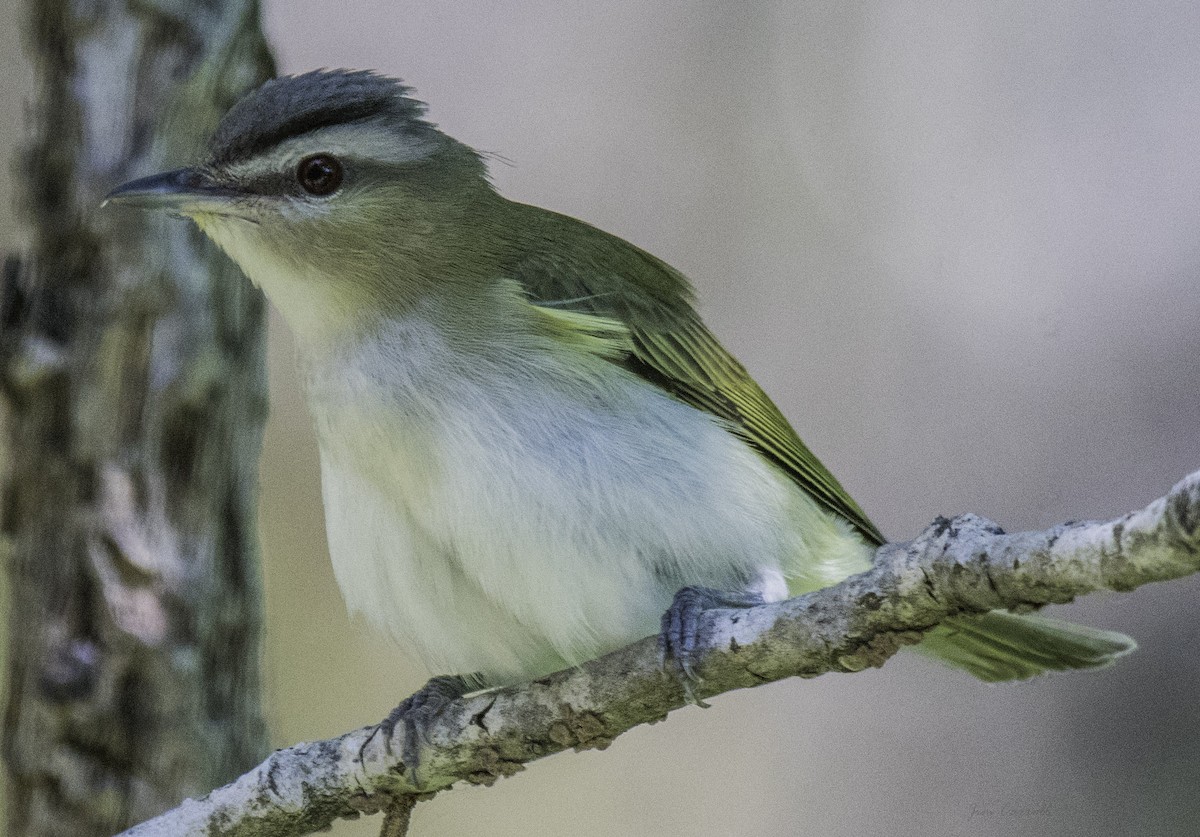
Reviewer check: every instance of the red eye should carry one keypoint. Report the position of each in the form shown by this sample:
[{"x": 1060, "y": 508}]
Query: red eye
[{"x": 319, "y": 174}]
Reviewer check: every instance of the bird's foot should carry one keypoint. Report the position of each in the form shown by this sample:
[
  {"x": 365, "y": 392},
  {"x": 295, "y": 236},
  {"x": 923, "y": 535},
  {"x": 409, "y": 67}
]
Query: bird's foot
[
  {"x": 680, "y": 632},
  {"x": 417, "y": 713}
]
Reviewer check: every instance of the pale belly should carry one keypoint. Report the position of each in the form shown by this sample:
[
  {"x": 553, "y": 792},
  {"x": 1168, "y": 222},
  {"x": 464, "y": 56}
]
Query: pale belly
[{"x": 512, "y": 530}]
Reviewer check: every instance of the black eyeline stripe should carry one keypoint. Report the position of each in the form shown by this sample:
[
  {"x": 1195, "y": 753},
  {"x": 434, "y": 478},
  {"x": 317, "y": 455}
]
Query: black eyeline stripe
[{"x": 251, "y": 142}]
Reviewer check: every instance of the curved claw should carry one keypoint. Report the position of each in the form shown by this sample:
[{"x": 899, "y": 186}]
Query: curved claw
[
  {"x": 680, "y": 629},
  {"x": 417, "y": 713}
]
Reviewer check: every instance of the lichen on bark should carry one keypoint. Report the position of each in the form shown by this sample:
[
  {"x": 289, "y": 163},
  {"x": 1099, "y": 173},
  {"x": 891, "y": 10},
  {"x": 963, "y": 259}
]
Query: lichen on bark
[{"x": 131, "y": 363}]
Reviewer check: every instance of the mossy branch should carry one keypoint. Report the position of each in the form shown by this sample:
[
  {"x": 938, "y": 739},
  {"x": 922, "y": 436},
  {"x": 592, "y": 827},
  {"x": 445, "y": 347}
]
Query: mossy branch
[{"x": 958, "y": 566}]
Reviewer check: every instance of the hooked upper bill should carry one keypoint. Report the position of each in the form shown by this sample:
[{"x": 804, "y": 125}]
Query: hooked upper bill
[{"x": 182, "y": 191}]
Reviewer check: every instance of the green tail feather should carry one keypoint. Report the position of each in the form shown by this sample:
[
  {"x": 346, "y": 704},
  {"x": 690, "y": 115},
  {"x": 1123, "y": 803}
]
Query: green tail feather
[{"x": 1003, "y": 646}]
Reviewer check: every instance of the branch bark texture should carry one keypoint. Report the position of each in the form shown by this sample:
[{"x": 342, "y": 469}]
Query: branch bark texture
[
  {"x": 131, "y": 361},
  {"x": 959, "y": 566}
]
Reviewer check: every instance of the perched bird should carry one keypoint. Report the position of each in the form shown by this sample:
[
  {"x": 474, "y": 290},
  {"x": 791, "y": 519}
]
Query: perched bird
[{"x": 530, "y": 442}]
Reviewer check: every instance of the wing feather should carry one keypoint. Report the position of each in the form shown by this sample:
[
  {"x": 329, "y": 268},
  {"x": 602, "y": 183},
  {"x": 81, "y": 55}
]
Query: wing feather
[
  {"x": 699, "y": 371},
  {"x": 670, "y": 347}
]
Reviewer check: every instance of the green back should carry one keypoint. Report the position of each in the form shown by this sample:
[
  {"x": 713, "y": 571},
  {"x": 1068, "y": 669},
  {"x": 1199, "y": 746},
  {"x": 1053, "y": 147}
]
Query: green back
[{"x": 565, "y": 264}]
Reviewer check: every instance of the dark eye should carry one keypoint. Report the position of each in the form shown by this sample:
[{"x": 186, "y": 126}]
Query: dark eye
[{"x": 319, "y": 174}]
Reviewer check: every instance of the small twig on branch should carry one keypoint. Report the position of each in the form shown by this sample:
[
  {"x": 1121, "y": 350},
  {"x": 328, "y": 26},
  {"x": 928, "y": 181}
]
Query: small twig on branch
[
  {"x": 398, "y": 816},
  {"x": 964, "y": 565}
]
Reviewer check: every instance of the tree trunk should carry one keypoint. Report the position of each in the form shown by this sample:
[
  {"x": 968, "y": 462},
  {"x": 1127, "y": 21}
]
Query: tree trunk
[{"x": 131, "y": 358}]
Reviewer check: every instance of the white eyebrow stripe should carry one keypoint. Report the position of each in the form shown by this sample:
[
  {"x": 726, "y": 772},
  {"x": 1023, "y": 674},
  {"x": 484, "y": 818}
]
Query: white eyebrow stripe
[{"x": 370, "y": 140}]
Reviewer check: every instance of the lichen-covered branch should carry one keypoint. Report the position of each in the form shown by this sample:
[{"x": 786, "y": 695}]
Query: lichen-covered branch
[
  {"x": 131, "y": 366},
  {"x": 964, "y": 565}
]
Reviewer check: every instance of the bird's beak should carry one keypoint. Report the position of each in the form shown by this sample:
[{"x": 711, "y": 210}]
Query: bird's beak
[{"x": 183, "y": 192}]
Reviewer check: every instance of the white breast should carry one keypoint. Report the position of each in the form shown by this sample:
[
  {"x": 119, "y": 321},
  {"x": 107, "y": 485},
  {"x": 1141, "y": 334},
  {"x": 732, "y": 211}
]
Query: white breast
[{"x": 510, "y": 516}]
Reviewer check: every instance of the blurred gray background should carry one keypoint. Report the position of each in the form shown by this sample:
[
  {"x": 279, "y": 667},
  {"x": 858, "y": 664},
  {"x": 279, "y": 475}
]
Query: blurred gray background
[{"x": 958, "y": 243}]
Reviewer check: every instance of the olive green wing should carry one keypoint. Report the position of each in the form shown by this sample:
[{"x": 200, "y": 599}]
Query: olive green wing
[
  {"x": 669, "y": 346},
  {"x": 693, "y": 366}
]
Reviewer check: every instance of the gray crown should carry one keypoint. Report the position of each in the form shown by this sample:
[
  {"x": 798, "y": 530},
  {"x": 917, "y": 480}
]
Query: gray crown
[{"x": 293, "y": 105}]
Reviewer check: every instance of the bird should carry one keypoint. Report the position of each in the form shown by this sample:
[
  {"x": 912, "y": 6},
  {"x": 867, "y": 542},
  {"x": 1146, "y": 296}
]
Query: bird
[{"x": 532, "y": 448}]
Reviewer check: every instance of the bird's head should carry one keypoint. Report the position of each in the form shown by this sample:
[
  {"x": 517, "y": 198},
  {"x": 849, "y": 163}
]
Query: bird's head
[{"x": 332, "y": 192}]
